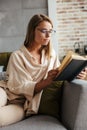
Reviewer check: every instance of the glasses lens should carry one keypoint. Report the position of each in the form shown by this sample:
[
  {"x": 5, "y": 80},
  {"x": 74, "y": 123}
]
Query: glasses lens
[{"x": 46, "y": 31}]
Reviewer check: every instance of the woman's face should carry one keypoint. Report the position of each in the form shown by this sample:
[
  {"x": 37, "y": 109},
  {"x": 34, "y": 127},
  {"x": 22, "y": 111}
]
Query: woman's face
[{"x": 43, "y": 33}]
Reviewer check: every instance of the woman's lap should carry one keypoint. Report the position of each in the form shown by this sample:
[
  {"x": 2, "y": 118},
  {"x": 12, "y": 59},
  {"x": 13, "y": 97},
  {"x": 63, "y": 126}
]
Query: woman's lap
[
  {"x": 3, "y": 97},
  {"x": 11, "y": 113}
]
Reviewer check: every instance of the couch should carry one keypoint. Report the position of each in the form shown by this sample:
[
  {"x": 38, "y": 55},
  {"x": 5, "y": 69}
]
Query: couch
[{"x": 73, "y": 108}]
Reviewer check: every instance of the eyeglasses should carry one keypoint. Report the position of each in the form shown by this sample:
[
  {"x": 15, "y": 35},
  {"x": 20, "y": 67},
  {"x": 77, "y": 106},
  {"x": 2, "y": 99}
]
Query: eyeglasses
[{"x": 45, "y": 31}]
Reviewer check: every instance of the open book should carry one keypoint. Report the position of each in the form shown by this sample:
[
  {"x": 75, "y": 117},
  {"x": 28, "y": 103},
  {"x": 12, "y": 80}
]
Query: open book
[{"x": 71, "y": 66}]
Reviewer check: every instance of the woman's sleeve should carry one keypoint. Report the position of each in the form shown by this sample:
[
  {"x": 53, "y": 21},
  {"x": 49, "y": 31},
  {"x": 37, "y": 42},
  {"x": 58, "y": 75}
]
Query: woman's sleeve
[{"x": 19, "y": 81}]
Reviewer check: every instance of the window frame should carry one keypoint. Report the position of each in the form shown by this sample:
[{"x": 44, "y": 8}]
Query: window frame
[{"x": 52, "y": 8}]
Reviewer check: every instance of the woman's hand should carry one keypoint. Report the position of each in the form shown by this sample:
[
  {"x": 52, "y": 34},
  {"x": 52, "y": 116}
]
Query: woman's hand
[
  {"x": 52, "y": 74},
  {"x": 46, "y": 82},
  {"x": 82, "y": 74}
]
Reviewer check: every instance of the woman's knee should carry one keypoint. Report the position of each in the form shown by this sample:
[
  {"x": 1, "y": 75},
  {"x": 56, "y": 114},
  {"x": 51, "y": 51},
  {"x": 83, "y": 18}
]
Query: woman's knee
[
  {"x": 11, "y": 114},
  {"x": 3, "y": 97}
]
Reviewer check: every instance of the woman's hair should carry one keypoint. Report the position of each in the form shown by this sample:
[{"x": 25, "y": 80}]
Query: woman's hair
[{"x": 34, "y": 22}]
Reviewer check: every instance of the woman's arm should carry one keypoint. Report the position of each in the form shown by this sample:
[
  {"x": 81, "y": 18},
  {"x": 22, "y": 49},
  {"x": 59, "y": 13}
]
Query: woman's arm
[{"x": 46, "y": 82}]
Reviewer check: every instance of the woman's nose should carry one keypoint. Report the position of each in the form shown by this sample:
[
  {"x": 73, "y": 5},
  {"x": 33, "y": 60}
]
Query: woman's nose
[{"x": 48, "y": 34}]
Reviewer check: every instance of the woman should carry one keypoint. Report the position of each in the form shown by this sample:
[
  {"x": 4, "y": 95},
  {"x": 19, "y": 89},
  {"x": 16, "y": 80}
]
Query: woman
[{"x": 30, "y": 69}]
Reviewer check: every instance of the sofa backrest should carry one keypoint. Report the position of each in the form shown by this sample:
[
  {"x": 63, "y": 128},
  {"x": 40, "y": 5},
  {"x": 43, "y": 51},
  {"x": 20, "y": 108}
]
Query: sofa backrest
[{"x": 4, "y": 58}]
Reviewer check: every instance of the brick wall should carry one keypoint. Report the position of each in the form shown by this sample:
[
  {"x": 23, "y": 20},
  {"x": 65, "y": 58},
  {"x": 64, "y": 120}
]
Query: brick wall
[{"x": 72, "y": 25}]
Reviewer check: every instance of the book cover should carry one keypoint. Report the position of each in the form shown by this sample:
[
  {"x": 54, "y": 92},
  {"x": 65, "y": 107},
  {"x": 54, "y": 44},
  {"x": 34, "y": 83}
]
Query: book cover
[{"x": 71, "y": 66}]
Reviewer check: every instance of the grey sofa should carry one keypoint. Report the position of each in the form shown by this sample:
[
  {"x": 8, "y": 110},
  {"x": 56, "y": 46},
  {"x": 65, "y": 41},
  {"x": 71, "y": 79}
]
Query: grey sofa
[{"x": 73, "y": 114}]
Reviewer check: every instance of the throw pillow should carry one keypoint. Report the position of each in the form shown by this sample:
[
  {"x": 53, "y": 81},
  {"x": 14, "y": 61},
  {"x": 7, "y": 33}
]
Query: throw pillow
[
  {"x": 50, "y": 100},
  {"x": 1, "y": 68},
  {"x": 3, "y": 76}
]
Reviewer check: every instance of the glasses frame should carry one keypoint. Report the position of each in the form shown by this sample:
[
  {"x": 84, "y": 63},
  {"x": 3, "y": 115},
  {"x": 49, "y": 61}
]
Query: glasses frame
[{"x": 45, "y": 31}]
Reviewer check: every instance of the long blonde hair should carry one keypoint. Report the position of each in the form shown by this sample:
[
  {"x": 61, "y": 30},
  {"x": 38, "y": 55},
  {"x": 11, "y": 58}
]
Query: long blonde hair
[{"x": 34, "y": 22}]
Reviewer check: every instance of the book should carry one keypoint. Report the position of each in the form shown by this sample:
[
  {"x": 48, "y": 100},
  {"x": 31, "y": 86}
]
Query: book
[{"x": 71, "y": 66}]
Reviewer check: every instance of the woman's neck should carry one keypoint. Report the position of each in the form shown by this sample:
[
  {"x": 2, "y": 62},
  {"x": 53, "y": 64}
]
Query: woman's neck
[
  {"x": 36, "y": 53},
  {"x": 34, "y": 47}
]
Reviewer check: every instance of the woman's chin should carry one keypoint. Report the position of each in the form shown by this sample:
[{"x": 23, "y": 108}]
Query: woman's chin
[{"x": 45, "y": 44}]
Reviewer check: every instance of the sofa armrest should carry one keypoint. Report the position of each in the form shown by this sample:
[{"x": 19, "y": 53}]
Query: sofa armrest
[{"x": 74, "y": 105}]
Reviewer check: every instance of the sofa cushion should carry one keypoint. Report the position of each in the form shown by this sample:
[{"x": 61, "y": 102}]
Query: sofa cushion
[
  {"x": 38, "y": 122},
  {"x": 50, "y": 101}
]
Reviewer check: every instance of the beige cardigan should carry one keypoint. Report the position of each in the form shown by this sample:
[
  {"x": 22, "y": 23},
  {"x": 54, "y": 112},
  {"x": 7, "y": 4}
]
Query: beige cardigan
[{"x": 23, "y": 73}]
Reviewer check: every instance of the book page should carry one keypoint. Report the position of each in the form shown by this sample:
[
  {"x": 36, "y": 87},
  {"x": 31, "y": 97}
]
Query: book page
[
  {"x": 70, "y": 55},
  {"x": 65, "y": 61}
]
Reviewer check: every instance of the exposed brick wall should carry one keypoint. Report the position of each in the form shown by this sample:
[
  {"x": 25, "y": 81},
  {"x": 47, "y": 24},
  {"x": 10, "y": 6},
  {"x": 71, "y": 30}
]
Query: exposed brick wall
[{"x": 72, "y": 24}]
